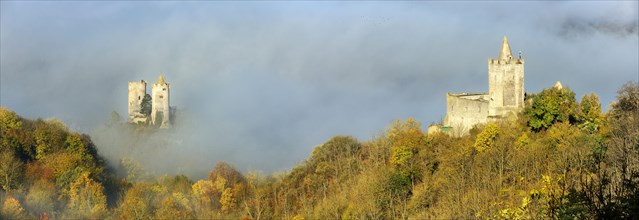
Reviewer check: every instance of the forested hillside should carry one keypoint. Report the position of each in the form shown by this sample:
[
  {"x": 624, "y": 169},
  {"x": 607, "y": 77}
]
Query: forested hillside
[{"x": 561, "y": 158}]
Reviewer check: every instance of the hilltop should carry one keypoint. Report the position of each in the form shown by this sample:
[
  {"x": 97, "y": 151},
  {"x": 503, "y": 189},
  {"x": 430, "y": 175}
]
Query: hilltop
[{"x": 561, "y": 158}]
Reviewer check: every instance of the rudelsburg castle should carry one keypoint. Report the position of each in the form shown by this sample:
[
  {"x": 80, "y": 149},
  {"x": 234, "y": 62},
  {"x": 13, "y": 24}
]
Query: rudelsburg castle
[{"x": 505, "y": 97}]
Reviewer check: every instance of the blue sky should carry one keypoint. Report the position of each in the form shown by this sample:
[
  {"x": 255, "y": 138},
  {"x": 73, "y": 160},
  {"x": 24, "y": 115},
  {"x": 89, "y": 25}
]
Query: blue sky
[{"x": 268, "y": 81}]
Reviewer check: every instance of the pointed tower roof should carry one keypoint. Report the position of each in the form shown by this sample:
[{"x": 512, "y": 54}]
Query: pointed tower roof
[
  {"x": 161, "y": 79},
  {"x": 504, "y": 53},
  {"x": 558, "y": 85}
]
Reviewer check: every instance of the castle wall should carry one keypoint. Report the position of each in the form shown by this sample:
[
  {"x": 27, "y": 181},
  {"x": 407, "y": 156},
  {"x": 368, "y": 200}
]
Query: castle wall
[
  {"x": 505, "y": 86},
  {"x": 463, "y": 111},
  {"x": 160, "y": 109},
  {"x": 505, "y": 95},
  {"x": 137, "y": 90}
]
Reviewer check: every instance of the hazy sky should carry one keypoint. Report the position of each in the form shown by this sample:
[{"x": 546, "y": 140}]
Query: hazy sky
[{"x": 268, "y": 81}]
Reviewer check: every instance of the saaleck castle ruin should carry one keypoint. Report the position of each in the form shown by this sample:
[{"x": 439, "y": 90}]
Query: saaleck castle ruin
[{"x": 160, "y": 109}]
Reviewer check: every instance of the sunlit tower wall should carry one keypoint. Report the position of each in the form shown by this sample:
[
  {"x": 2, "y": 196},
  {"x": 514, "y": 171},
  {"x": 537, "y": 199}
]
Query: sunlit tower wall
[
  {"x": 505, "y": 83},
  {"x": 160, "y": 108},
  {"x": 137, "y": 90}
]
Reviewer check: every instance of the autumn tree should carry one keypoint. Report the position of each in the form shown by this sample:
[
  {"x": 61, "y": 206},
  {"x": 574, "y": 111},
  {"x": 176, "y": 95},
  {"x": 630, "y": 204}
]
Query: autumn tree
[
  {"x": 202, "y": 192},
  {"x": 50, "y": 136},
  {"x": 590, "y": 115},
  {"x": 336, "y": 158},
  {"x": 227, "y": 200},
  {"x": 139, "y": 201},
  {"x": 407, "y": 139},
  {"x": 257, "y": 206},
  {"x": 41, "y": 197},
  {"x": 11, "y": 170},
  {"x": 86, "y": 198},
  {"x": 174, "y": 206},
  {"x": 486, "y": 139},
  {"x": 230, "y": 184},
  {"x": 10, "y": 124},
  {"x": 226, "y": 171},
  {"x": 614, "y": 191},
  {"x": 12, "y": 209}
]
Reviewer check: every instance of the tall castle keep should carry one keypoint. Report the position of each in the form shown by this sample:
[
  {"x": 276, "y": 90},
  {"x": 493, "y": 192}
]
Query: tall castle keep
[
  {"x": 160, "y": 109},
  {"x": 505, "y": 95}
]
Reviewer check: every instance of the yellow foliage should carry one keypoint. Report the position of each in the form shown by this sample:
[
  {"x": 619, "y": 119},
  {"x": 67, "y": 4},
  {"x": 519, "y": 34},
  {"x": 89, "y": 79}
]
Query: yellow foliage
[
  {"x": 9, "y": 120},
  {"x": 61, "y": 162},
  {"x": 408, "y": 134},
  {"x": 174, "y": 206},
  {"x": 12, "y": 208},
  {"x": 202, "y": 190},
  {"x": 159, "y": 189},
  {"x": 86, "y": 197},
  {"x": 522, "y": 141},
  {"x": 220, "y": 184},
  {"x": 227, "y": 201},
  {"x": 138, "y": 202},
  {"x": 202, "y": 187},
  {"x": 401, "y": 155},
  {"x": 486, "y": 139}
]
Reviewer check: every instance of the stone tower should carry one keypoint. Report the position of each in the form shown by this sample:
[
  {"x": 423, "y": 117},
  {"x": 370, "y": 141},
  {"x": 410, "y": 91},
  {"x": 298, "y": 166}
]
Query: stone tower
[
  {"x": 137, "y": 90},
  {"x": 505, "y": 83},
  {"x": 505, "y": 95},
  {"x": 160, "y": 108}
]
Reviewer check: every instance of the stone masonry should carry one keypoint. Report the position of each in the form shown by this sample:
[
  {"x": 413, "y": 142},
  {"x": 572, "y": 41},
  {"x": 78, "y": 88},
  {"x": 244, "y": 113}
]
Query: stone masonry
[
  {"x": 160, "y": 110},
  {"x": 505, "y": 97}
]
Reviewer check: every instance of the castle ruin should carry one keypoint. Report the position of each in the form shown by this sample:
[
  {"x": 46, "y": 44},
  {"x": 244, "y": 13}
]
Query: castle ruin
[
  {"x": 160, "y": 110},
  {"x": 505, "y": 97}
]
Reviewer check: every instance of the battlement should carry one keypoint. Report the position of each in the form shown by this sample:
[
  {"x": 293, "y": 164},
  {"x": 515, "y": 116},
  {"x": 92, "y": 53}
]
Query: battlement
[
  {"x": 138, "y": 83},
  {"x": 506, "y": 61},
  {"x": 479, "y": 96}
]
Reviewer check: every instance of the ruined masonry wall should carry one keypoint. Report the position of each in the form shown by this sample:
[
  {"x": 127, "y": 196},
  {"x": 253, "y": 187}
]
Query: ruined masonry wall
[
  {"x": 137, "y": 90},
  {"x": 160, "y": 108},
  {"x": 464, "y": 112}
]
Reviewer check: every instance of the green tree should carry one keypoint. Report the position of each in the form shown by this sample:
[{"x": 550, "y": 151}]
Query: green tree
[
  {"x": 406, "y": 139},
  {"x": 146, "y": 105},
  {"x": 550, "y": 106}
]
